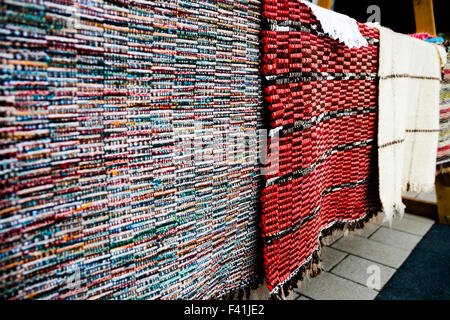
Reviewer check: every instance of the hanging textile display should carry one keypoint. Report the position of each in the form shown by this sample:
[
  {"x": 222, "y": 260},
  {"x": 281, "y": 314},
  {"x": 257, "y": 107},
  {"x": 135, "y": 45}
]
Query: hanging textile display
[
  {"x": 408, "y": 118},
  {"x": 322, "y": 99},
  {"x": 115, "y": 174},
  {"x": 443, "y": 153}
]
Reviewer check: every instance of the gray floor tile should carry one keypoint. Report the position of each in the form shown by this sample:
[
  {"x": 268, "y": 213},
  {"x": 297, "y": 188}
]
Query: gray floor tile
[
  {"x": 372, "y": 250},
  {"x": 331, "y": 257},
  {"x": 359, "y": 270},
  {"x": 328, "y": 286},
  {"x": 369, "y": 229},
  {"x": 301, "y": 297},
  {"x": 409, "y": 195},
  {"x": 414, "y": 226},
  {"x": 427, "y": 196},
  {"x": 418, "y": 218},
  {"x": 396, "y": 238}
]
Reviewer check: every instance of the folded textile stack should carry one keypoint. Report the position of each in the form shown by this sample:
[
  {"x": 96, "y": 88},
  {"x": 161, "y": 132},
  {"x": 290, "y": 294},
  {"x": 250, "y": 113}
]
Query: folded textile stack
[
  {"x": 322, "y": 99},
  {"x": 118, "y": 118}
]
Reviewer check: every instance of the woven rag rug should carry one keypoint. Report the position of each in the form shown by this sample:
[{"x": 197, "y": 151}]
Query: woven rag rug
[
  {"x": 104, "y": 108},
  {"x": 408, "y": 123},
  {"x": 443, "y": 153},
  {"x": 321, "y": 96}
]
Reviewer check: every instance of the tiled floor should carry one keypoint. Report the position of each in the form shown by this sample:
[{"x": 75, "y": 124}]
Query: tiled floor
[
  {"x": 422, "y": 196},
  {"x": 358, "y": 266}
]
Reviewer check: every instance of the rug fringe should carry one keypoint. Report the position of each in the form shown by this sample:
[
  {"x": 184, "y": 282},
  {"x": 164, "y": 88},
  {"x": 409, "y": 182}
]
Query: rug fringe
[
  {"x": 243, "y": 293},
  {"x": 313, "y": 267},
  {"x": 397, "y": 209}
]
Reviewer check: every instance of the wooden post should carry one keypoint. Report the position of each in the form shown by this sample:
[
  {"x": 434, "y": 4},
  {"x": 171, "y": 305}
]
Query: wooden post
[
  {"x": 424, "y": 16},
  {"x": 325, "y": 3}
]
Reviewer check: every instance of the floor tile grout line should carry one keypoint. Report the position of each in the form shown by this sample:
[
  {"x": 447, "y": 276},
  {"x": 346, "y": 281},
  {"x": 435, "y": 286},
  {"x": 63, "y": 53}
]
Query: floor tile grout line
[
  {"x": 393, "y": 245},
  {"x": 370, "y": 236},
  {"x": 386, "y": 227},
  {"x": 339, "y": 237},
  {"x": 417, "y": 219},
  {"x": 423, "y": 196},
  {"x": 351, "y": 280},
  {"x": 346, "y": 279},
  {"x": 414, "y": 234},
  {"x": 374, "y": 231},
  {"x": 378, "y": 227},
  {"x": 301, "y": 294},
  {"x": 388, "y": 245},
  {"x": 346, "y": 255},
  {"x": 383, "y": 264}
]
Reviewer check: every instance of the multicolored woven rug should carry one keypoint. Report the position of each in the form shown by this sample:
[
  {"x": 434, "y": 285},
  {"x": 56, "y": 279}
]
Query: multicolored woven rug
[
  {"x": 322, "y": 100},
  {"x": 443, "y": 153},
  {"x": 104, "y": 108}
]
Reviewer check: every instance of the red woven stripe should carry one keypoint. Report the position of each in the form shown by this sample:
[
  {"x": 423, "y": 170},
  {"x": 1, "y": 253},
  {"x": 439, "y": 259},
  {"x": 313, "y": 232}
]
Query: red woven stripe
[
  {"x": 289, "y": 202},
  {"x": 302, "y": 149},
  {"x": 304, "y": 100},
  {"x": 284, "y": 52}
]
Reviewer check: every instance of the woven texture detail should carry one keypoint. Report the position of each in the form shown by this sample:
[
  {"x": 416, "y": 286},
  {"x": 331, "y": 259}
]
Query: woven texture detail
[
  {"x": 322, "y": 99},
  {"x": 443, "y": 153},
  {"x": 104, "y": 105}
]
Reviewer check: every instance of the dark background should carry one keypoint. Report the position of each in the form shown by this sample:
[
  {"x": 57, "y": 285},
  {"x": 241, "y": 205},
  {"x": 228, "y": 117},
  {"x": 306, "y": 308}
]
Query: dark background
[{"x": 395, "y": 14}]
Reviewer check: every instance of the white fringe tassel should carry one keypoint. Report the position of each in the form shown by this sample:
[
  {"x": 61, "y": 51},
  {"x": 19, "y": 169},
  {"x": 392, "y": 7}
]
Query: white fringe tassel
[{"x": 398, "y": 209}]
